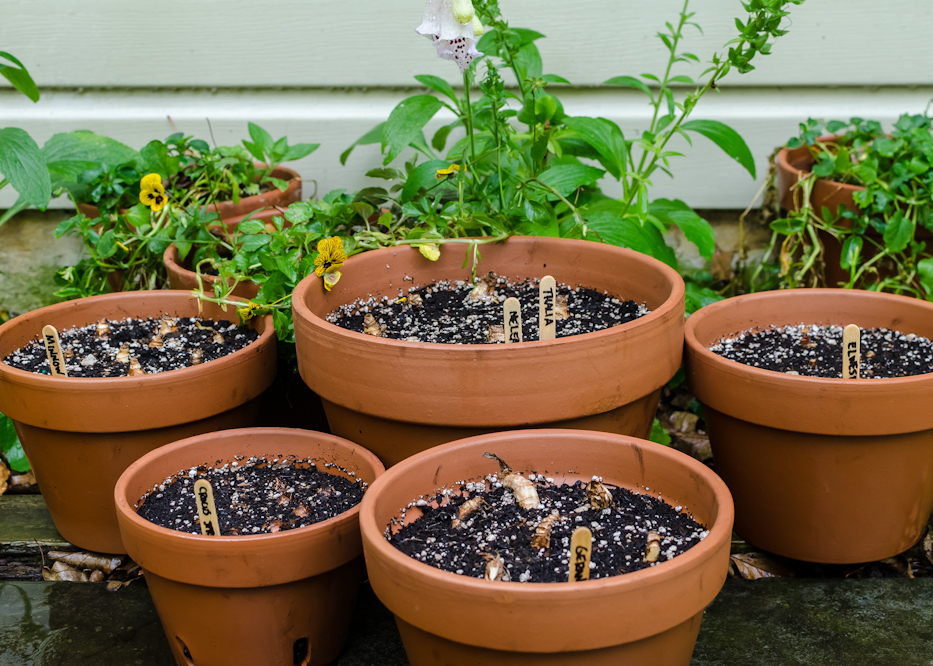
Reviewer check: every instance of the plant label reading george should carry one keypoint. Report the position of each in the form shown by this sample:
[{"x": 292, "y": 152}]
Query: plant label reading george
[
  {"x": 851, "y": 351},
  {"x": 53, "y": 348},
  {"x": 581, "y": 547},
  {"x": 512, "y": 320},
  {"x": 207, "y": 512},
  {"x": 546, "y": 297}
]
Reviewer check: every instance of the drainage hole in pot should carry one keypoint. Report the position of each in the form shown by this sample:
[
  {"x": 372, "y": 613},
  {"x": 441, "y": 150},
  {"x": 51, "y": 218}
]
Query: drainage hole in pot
[
  {"x": 300, "y": 652},
  {"x": 184, "y": 651}
]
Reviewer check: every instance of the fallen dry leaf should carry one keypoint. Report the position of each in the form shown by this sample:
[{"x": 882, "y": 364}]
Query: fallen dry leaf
[
  {"x": 275, "y": 526},
  {"x": 106, "y": 563},
  {"x": 4, "y": 475},
  {"x": 721, "y": 265},
  {"x": 900, "y": 564},
  {"x": 684, "y": 421},
  {"x": 25, "y": 479},
  {"x": 301, "y": 511},
  {"x": 97, "y": 576},
  {"x": 752, "y": 566},
  {"x": 62, "y": 572},
  {"x": 928, "y": 545}
]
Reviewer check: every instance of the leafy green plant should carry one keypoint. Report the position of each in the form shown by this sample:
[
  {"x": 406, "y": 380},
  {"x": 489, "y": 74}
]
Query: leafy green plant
[
  {"x": 10, "y": 446},
  {"x": 884, "y": 243},
  {"x": 15, "y": 72}
]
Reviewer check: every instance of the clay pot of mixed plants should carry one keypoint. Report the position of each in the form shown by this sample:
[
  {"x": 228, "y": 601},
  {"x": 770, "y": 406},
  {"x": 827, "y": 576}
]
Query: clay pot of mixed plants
[
  {"x": 399, "y": 397},
  {"x": 278, "y": 598},
  {"x": 232, "y": 214},
  {"x": 822, "y": 469},
  {"x": 647, "y": 616},
  {"x": 80, "y": 433},
  {"x": 181, "y": 276}
]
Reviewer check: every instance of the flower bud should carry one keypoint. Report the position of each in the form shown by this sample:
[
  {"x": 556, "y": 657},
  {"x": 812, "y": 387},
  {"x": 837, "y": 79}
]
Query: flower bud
[
  {"x": 478, "y": 28},
  {"x": 463, "y": 11}
]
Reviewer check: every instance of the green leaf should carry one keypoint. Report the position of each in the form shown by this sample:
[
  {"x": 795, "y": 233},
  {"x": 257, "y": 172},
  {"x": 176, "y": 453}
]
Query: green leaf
[
  {"x": 659, "y": 435},
  {"x": 528, "y": 62},
  {"x": 12, "y": 449},
  {"x": 629, "y": 82},
  {"x": 253, "y": 243},
  {"x": 605, "y": 219},
  {"x": 22, "y": 164},
  {"x": 406, "y": 122},
  {"x": 697, "y": 297},
  {"x": 565, "y": 178},
  {"x": 372, "y": 136},
  {"x": 157, "y": 159},
  {"x": 19, "y": 77},
  {"x": 68, "y": 154},
  {"x": 553, "y": 78},
  {"x": 697, "y": 230},
  {"x": 925, "y": 268},
  {"x": 251, "y": 227},
  {"x": 261, "y": 138},
  {"x": 138, "y": 215},
  {"x": 726, "y": 138},
  {"x": 107, "y": 246},
  {"x": 299, "y": 213},
  {"x": 280, "y": 184},
  {"x": 537, "y": 213},
  {"x": 606, "y": 137},
  {"x": 299, "y": 150},
  {"x": 851, "y": 250},
  {"x": 423, "y": 176},
  {"x": 898, "y": 233},
  {"x": 438, "y": 84}
]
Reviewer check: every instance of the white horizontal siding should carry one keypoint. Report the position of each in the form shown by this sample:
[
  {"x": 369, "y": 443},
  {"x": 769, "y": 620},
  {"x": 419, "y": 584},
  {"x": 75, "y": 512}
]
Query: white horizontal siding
[
  {"x": 312, "y": 43},
  {"x": 705, "y": 178}
]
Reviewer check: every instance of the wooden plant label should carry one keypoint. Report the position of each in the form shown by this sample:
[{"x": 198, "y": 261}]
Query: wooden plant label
[
  {"x": 581, "y": 547},
  {"x": 207, "y": 512},
  {"x": 53, "y": 348},
  {"x": 512, "y": 319},
  {"x": 547, "y": 324},
  {"x": 851, "y": 351}
]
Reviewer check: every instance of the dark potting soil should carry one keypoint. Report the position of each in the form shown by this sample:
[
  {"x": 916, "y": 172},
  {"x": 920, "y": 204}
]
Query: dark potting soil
[
  {"x": 502, "y": 527},
  {"x": 107, "y": 349},
  {"x": 449, "y": 313},
  {"x": 264, "y": 494},
  {"x": 816, "y": 351}
]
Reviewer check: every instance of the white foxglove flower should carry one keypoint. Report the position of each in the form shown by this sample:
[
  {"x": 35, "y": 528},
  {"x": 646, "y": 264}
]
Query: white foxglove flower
[{"x": 453, "y": 40}]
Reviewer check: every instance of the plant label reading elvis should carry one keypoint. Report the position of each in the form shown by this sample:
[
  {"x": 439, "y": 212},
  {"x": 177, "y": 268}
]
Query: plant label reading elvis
[
  {"x": 851, "y": 351},
  {"x": 207, "y": 512},
  {"x": 512, "y": 319},
  {"x": 53, "y": 349},
  {"x": 546, "y": 296},
  {"x": 581, "y": 546}
]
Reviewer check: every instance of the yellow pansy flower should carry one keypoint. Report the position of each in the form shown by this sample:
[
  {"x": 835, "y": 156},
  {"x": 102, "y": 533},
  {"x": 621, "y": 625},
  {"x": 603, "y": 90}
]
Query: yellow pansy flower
[
  {"x": 151, "y": 192},
  {"x": 251, "y": 310},
  {"x": 330, "y": 256},
  {"x": 330, "y": 279},
  {"x": 449, "y": 171}
]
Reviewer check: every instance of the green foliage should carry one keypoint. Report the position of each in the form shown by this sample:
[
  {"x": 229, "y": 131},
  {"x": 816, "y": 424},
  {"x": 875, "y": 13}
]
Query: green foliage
[
  {"x": 10, "y": 446},
  {"x": 21, "y": 164},
  {"x": 17, "y": 75},
  {"x": 883, "y": 247},
  {"x": 659, "y": 435}
]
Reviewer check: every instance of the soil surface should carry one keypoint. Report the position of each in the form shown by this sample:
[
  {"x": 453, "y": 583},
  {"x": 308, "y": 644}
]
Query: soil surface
[
  {"x": 449, "y": 313},
  {"x": 107, "y": 349},
  {"x": 816, "y": 351},
  {"x": 502, "y": 527},
  {"x": 265, "y": 494}
]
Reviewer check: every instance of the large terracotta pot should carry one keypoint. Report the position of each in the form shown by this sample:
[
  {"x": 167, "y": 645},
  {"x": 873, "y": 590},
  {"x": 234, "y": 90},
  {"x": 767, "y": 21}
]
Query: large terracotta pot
[
  {"x": 823, "y": 470},
  {"x": 232, "y": 213},
  {"x": 270, "y": 599},
  {"x": 646, "y": 617},
  {"x": 81, "y": 433},
  {"x": 181, "y": 276},
  {"x": 397, "y": 398}
]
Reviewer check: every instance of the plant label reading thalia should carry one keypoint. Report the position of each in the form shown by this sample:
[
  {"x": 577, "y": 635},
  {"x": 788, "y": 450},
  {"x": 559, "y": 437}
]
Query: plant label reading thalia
[
  {"x": 548, "y": 321},
  {"x": 207, "y": 511},
  {"x": 851, "y": 351},
  {"x": 581, "y": 547},
  {"x": 512, "y": 320},
  {"x": 53, "y": 348}
]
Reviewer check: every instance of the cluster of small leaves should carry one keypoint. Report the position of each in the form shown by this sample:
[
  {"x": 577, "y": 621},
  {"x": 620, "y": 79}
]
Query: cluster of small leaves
[
  {"x": 764, "y": 23},
  {"x": 883, "y": 245}
]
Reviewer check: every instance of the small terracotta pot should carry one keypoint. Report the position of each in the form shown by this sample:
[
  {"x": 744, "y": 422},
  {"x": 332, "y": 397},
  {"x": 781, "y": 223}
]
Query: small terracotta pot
[
  {"x": 233, "y": 214},
  {"x": 823, "y": 470},
  {"x": 646, "y": 617},
  {"x": 397, "y": 398},
  {"x": 81, "y": 433},
  {"x": 180, "y": 276},
  {"x": 271, "y": 599}
]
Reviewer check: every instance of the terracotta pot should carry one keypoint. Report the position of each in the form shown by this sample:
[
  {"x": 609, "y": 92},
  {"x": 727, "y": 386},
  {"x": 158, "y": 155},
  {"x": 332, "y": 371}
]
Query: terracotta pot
[
  {"x": 646, "y": 617},
  {"x": 823, "y": 470},
  {"x": 795, "y": 164},
  {"x": 253, "y": 599},
  {"x": 397, "y": 398},
  {"x": 180, "y": 276},
  {"x": 232, "y": 213},
  {"x": 81, "y": 433}
]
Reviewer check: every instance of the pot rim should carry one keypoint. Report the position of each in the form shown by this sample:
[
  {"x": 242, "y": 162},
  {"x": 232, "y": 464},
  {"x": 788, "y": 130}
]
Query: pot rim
[
  {"x": 794, "y": 382},
  {"x": 783, "y": 163},
  {"x": 153, "y": 381},
  {"x": 312, "y": 281},
  {"x": 720, "y": 529}
]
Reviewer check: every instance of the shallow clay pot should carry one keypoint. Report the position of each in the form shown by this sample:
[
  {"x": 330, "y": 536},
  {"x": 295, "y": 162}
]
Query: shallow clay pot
[
  {"x": 81, "y": 433},
  {"x": 233, "y": 214},
  {"x": 646, "y": 617},
  {"x": 823, "y": 470},
  {"x": 397, "y": 398},
  {"x": 260, "y": 599},
  {"x": 180, "y": 276}
]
